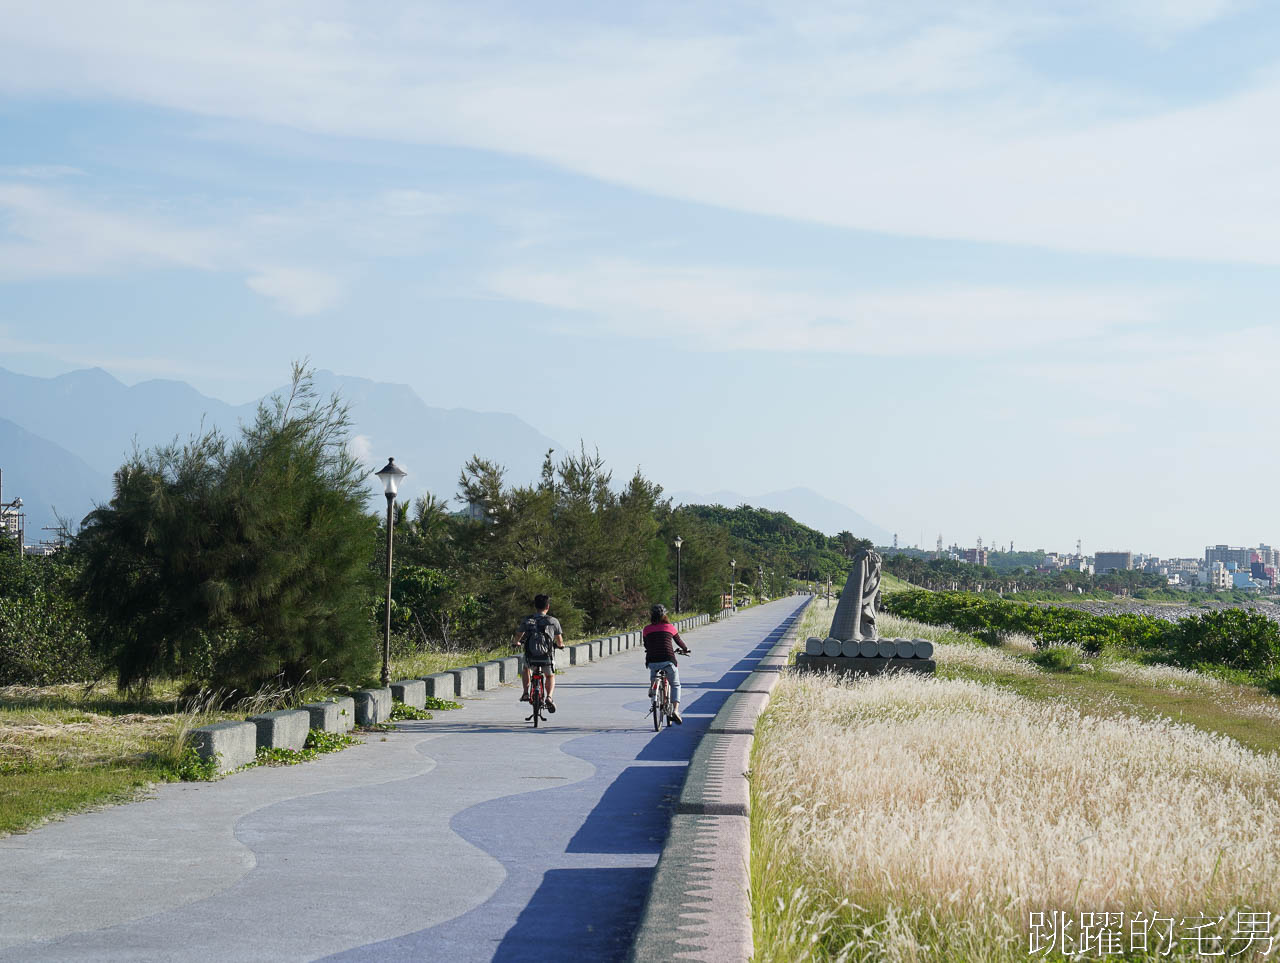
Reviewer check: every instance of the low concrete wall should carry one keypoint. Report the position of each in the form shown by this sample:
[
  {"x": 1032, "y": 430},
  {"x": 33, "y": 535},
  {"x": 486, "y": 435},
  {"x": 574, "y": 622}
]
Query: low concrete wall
[
  {"x": 286, "y": 729},
  {"x": 372, "y": 706},
  {"x": 488, "y": 675},
  {"x": 579, "y": 654},
  {"x": 232, "y": 744},
  {"x": 465, "y": 682},
  {"x": 412, "y": 692},
  {"x": 338, "y": 715}
]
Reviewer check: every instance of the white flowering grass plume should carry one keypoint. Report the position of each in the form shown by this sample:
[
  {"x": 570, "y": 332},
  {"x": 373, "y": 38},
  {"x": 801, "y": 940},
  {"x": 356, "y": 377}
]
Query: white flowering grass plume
[{"x": 913, "y": 818}]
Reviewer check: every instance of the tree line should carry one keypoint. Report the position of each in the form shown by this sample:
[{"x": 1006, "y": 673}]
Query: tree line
[{"x": 231, "y": 561}]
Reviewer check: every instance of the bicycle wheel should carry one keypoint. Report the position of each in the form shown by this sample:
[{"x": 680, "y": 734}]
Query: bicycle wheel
[{"x": 657, "y": 714}]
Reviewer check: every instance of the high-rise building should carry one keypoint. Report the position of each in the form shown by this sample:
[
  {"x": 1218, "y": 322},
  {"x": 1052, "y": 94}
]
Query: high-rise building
[
  {"x": 1228, "y": 553},
  {"x": 1104, "y": 562}
]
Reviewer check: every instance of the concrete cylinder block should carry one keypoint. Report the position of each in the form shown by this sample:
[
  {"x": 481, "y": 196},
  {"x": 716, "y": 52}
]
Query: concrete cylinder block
[
  {"x": 813, "y": 645},
  {"x": 831, "y": 647},
  {"x": 923, "y": 649},
  {"x": 887, "y": 650},
  {"x": 850, "y": 649}
]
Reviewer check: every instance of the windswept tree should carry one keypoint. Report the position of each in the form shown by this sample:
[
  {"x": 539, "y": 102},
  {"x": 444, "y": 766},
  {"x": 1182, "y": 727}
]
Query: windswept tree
[{"x": 235, "y": 562}]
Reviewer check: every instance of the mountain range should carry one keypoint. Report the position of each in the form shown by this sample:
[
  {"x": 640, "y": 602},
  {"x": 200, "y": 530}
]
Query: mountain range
[{"x": 62, "y": 438}]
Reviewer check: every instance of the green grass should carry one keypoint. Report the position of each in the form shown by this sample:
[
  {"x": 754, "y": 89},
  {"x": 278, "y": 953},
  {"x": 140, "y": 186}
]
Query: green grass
[
  {"x": 29, "y": 798},
  {"x": 1236, "y": 711},
  {"x": 891, "y": 583}
]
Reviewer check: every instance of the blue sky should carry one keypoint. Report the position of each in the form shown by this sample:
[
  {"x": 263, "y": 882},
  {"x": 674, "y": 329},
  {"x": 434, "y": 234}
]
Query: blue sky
[{"x": 971, "y": 268}]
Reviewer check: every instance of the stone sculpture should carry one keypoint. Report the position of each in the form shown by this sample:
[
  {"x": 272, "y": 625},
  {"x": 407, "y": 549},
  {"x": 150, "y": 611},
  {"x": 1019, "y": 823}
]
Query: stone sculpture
[{"x": 855, "y": 618}]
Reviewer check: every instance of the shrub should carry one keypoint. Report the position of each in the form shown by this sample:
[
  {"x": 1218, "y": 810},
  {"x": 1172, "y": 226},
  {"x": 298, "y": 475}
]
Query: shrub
[
  {"x": 1058, "y": 658},
  {"x": 43, "y": 641},
  {"x": 1235, "y": 638}
]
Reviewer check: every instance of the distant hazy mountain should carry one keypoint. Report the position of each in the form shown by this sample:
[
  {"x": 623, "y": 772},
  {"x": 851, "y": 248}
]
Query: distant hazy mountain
[
  {"x": 97, "y": 418},
  {"x": 46, "y": 476},
  {"x": 432, "y": 444},
  {"x": 803, "y": 504},
  {"x": 90, "y": 413}
]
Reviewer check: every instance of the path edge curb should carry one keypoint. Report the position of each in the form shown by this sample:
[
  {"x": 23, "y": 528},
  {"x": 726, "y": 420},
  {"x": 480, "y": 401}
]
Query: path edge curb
[{"x": 707, "y": 855}]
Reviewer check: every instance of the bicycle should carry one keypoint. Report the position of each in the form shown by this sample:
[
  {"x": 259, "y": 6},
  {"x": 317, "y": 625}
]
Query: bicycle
[
  {"x": 660, "y": 697},
  {"x": 538, "y": 692},
  {"x": 660, "y": 700}
]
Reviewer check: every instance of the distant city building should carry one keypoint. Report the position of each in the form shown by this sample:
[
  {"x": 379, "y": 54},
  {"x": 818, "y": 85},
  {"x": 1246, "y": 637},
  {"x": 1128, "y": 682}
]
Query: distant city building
[
  {"x": 1215, "y": 577},
  {"x": 1104, "y": 562},
  {"x": 1243, "y": 557},
  {"x": 976, "y": 556}
]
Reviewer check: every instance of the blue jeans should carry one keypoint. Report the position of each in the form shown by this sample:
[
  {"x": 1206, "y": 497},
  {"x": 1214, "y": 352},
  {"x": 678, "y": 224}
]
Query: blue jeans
[{"x": 672, "y": 673}]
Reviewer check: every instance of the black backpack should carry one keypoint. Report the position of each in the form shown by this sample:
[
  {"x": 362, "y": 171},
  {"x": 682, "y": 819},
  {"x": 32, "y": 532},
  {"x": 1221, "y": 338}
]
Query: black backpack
[{"x": 537, "y": 639}]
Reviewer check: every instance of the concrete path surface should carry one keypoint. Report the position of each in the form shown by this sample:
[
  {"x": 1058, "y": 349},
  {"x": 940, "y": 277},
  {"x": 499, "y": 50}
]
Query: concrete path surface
[{"x": 471, "y": 836}]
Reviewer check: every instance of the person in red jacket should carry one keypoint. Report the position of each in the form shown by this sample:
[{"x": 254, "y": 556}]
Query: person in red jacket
[{"x": 661, "y": 640}]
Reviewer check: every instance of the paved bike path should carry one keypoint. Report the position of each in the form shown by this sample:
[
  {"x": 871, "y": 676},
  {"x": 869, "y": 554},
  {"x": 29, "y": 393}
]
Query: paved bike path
[{"x": 467, "y": 837}]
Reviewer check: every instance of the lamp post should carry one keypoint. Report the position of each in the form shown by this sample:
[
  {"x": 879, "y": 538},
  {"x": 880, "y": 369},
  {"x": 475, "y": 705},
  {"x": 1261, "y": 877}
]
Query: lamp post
[
  {"x": 390, "y": 477},
  {"x": 679, "y": 542},
  {"x": 733, "y": 578}
]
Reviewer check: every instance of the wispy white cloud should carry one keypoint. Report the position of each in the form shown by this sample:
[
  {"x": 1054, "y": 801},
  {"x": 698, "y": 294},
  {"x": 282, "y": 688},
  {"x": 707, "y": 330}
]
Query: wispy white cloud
[
  {"x": 929, "y": 119},
  {"x": 297, "y": 291},
  {"x": 718, "y": 308},
  {"x": 299, "y": 257}
]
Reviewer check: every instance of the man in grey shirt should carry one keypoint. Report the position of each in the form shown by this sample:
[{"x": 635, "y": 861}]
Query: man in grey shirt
[{"x": 539, "y": 634}]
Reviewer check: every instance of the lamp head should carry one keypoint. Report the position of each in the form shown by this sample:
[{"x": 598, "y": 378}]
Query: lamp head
[
  {"x": 679, "y": 541},
  {"x": 390, "y": 477}
]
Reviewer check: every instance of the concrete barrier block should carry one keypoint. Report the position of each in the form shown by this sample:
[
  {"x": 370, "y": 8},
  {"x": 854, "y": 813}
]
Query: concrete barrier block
[
  {"x": 466, "y": 681},
  {"x": 509, "y": 670},
  {"x": 337, "y": 715},
  {"x": 580, "y": 654},
  {"x": 412, "y": 692},
  {"x": 441, "y": 685},
  {"x": 372, "y": 706},
  {"x": 923, "y": 649},
  {"x": 285, "y": 729},
  {"x": 231, "y": 744},
  {"x": 597, "y": 649},
  {"x": 489, "y": 675}
]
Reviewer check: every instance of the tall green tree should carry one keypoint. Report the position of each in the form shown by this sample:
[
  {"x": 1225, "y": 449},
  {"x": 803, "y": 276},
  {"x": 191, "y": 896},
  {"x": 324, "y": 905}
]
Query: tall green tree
[{"x": 235, "y": 562}]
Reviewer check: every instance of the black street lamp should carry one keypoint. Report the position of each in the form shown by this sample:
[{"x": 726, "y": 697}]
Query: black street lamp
[
  {"x": 390, "y": 477},
  {"x": 679, "y": 542},
  {"x": 733, "y": 578}
]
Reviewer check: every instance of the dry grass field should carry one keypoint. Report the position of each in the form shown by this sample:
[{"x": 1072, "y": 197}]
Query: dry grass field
[{"x": 925, "y": 818}]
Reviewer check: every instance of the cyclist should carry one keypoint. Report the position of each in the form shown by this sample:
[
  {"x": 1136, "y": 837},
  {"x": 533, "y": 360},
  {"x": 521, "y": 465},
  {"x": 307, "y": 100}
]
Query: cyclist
[
  {"x": 539, "y": 633},
  {"x": 661, "y": 640}
]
